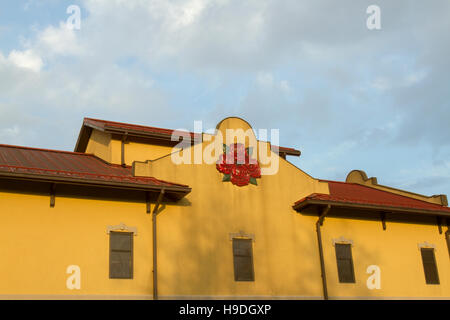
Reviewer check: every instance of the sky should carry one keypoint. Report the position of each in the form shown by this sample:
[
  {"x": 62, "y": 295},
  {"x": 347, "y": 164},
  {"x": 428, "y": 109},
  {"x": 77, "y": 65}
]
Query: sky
[{"x": 347, "y": 96}]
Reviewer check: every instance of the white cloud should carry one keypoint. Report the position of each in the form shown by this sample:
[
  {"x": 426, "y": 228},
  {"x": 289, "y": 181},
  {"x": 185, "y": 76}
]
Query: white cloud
[
  {"x": 381, "y": 84},
  {"x": 188, "y": 13},
  {"x": 341, "y": 149},
  {"x": 415, "y": 77},
  {"x": 26, "y": 59},
  {"x": 398, "y": 79},
  {"x": 284, "y": 86},
  {"x": 265, "y": 79},
  {"x": 59, "y": 41},
  {"x": 11, "y": 132}
]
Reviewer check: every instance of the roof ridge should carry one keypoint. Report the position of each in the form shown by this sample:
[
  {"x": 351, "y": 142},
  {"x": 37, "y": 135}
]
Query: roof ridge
[{"x": 130, "y": 124}]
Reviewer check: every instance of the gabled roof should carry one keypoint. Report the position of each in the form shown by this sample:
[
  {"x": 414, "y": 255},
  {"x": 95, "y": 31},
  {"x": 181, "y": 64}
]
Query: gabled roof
[
  {"x": 144, "y": 131},
  {"x": 121, "y": 127},
  {"x": 346, "y": 194},
  {"x": 74, "y": 167}
]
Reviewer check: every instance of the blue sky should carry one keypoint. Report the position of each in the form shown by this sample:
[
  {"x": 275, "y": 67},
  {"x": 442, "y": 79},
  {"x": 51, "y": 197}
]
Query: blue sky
[{"x": 347, "y": 97}]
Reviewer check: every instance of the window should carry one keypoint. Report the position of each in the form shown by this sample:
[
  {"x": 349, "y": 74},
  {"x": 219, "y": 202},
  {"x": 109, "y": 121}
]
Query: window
[
  {"x": 121, "y": 255},
  {"x": 243, "y": 260},
  {"x": 345, "y": 263},
  {"x": 429, "y": 266}
]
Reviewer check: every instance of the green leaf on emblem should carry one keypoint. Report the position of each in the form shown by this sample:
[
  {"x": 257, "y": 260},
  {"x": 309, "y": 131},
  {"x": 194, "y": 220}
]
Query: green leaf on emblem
[
  {"x": 253, "y": 181},
  {"x": 226, "y": 177}
]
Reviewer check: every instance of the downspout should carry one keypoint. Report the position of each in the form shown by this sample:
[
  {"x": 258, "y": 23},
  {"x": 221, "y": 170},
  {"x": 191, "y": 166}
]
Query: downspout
[
  {"x": 319, "y": 240},
  {"x": 155, "y": 264},
  {"x": 447, "y": 238},
  {"x": 122, "y": 147}
]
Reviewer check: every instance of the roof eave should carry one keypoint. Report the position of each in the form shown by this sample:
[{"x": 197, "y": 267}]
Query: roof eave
[
  {"x": 179, "y": 190},
  {"x": 299, "y": 206},
  {"x": 286, "y": 151}
]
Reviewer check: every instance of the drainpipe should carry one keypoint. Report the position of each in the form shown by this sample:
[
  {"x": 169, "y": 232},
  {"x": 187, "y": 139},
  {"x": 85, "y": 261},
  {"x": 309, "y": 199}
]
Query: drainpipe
[
  {"x": 155, "y": 264},
  {"x": 447, "y": 238},
  {"x": 319, "y": 240},
  {"x": 122, "y": 147}
]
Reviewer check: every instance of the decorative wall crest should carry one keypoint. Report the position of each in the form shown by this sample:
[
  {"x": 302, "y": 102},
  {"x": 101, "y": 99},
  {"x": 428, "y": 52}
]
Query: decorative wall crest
[{"x": 237, "y": 165}]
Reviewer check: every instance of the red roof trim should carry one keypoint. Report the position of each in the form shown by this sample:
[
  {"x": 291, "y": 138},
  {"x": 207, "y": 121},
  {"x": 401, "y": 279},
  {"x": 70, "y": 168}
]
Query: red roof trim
[
  {"x": 71, "y": 173},
  {"x": 105, "y": 124},
  {"x": 32, "y": 162},
  {"x": 352, "y": 193}
]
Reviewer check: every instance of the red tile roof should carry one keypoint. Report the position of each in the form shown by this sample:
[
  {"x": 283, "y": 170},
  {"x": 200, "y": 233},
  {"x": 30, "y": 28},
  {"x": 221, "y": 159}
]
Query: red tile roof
[
  {"x": 103, "y": 124},
  {"x": 82, "y": 167},
  {"x": 352, "y": 193},
  {"x": 121, "y": 127}
]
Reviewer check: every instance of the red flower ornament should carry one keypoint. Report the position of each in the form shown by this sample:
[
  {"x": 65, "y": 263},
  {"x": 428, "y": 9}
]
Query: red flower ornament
[{"x": 237, "y": 166}]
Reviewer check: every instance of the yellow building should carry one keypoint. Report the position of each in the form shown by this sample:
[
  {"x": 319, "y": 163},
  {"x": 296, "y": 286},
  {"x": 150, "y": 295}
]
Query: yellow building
[{"x": 132, "y": 213}]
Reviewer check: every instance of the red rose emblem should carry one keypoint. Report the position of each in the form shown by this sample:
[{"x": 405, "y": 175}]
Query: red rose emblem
[
  {"x": 237, "y": 165},
  {"x": 223, "y": 166},
  {"x": 238, "y": 153},
  {"x": 254, "y": 170}
]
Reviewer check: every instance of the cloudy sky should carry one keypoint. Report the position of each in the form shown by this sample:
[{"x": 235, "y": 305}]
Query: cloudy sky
[{"x": 346, "y": 96}]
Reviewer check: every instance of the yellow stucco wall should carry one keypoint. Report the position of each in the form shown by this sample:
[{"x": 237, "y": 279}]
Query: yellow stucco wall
[
  {"x": 195, "y": 255},
  {"x": 285, "y": 251},
  {"x": 194, "y": 247},
  {"x": 40, "y": 242},
  {"x": 136, "y": 151},
  {"x": 395, "y": 250},
  {"x": 109, "y": 148},
  {"x": 99, "y": 144}
]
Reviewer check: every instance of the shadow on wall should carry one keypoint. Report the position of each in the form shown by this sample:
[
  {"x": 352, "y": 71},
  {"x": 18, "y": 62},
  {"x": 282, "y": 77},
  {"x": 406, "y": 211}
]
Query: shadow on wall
[{"x": 196, "y": 258}]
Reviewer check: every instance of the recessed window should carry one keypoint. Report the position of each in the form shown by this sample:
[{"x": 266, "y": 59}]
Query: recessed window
[
  {"x": 120, "y": 255},
  {"x": 345, "y": 263},
  {"x": 429, "y": 266},
  {"x": 243, "y": 260}
]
